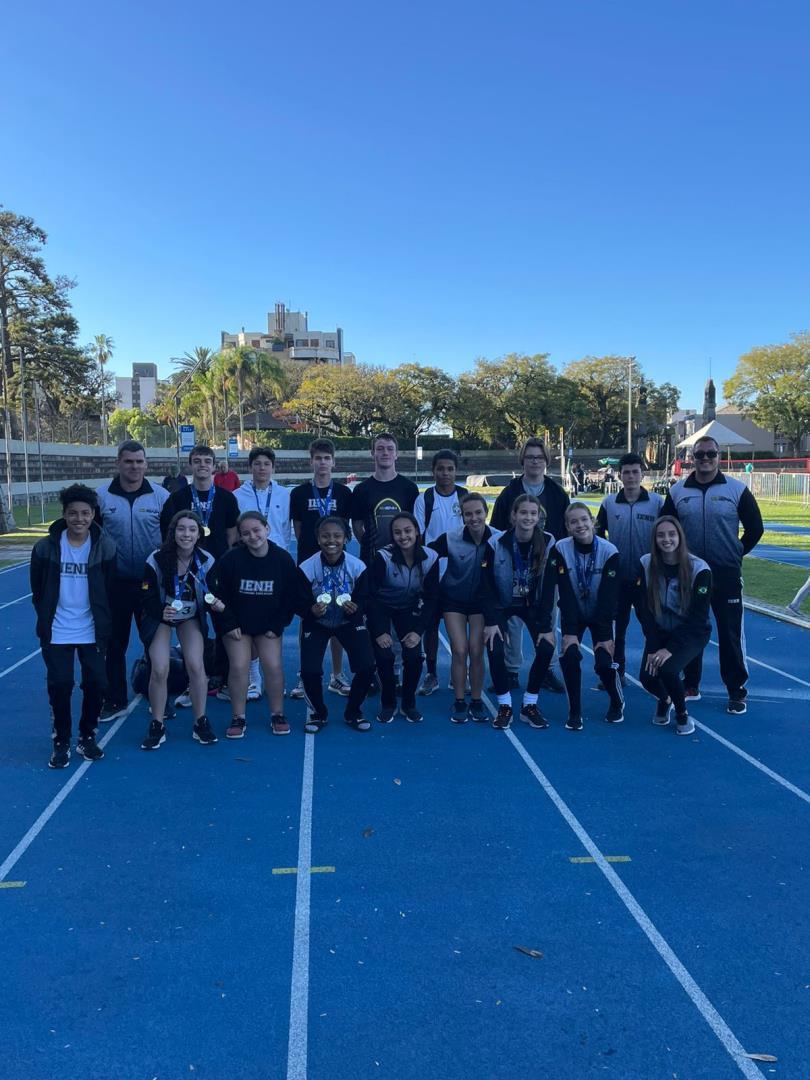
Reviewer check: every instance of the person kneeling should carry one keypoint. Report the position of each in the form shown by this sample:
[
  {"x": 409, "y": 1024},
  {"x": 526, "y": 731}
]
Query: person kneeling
[
  {"x": 673, "y": 597},
  {"x": 175, "y": 597},
  {"x": 332, "y": 591}
]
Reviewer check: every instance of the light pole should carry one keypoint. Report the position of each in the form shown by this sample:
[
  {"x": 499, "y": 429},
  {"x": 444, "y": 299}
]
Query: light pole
[{"x": 630, "y": 362}]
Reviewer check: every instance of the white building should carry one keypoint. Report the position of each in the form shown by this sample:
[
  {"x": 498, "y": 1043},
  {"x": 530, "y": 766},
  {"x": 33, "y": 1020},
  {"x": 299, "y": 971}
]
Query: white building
[
  {"x": 139, "y": 391},
  {"x": 288, "y": 333}
]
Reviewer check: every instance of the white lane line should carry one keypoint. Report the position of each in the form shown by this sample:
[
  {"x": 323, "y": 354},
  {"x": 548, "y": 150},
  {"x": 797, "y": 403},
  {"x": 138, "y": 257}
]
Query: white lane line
[
  {"x": 738, "y": 750},
  {"x": 19, "y": 663},
  {"x": 12, "y": 602},
  {"x": 768, "y": 667},
  {"x": 10, "y": 862},
  {"x": 16, "y": 566},
  {"x": 712, "y": 1017},
  {"x": 299, "y": 985}
]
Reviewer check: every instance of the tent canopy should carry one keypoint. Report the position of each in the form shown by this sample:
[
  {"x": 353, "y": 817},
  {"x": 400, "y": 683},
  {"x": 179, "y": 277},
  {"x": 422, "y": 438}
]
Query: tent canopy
[{"x": 715, "y": 430}]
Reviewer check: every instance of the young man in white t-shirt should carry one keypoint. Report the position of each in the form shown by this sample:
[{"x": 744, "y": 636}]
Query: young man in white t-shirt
[
  {"x": 438, "y": 511},
  {"x": 72, "y": 583}
]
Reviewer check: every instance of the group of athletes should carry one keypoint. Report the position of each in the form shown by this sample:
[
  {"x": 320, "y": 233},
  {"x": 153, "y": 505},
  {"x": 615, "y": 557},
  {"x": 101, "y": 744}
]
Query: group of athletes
[{"x": 213, "y": 567}]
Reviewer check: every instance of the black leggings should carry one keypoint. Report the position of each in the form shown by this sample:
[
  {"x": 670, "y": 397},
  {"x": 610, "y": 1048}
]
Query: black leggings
[
  {"x": 59, "y": 662},
  {"x": 603, "y": 665},
  {"x": 403, "y": 623},
  {"x": 668, "y": 683},
  {"x": 355, "y": 642},
  {"x": 543, "y": 653}
]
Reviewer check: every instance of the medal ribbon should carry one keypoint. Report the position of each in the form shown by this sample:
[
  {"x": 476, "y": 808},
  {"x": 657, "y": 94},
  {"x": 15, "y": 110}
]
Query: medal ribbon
[
  {"x": 266, "y": 510},
  {"x": 585, "y": 570},
  {"x": 197, "y": 504},
  {"x": 520, "y": 574},
  {"x": 332, "y": 578},
  {"x": 323, "y": 503}
]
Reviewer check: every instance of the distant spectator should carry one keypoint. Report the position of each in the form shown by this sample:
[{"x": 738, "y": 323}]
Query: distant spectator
[
  {"x": 225, "y": 477},
  {"x": 174, "y": 479}
]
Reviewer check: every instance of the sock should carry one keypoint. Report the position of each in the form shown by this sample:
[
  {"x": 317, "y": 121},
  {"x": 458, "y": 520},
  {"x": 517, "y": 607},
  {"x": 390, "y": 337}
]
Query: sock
[
  {"x": 255, "y": 672},
  {"x": 529, "y": 699},
  {"x": 504, "y": 699}
]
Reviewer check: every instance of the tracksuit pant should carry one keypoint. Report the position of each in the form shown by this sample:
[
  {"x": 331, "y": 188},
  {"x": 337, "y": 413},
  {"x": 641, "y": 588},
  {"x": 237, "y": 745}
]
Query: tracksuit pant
[
  {"x": 59, "y": 665},
  {"x": 496, "y": 653},
  {"x": 727, "y": 605},
  {"x": 667, "y": 683},
  {"x": 605, "y": 668},
  {"x": 412, "y": 659},
  {"x": 356, "y": 645},
  {"x": 125, "y": 605},
  {"x": 624, "y": 609}
]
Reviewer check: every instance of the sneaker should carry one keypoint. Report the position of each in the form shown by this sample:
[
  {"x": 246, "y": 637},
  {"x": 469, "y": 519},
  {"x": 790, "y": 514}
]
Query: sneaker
[
  {"x": 110, "y": 710},
  {"x": 532, "y": 716},
  {"x": 796, "y": 610},
  {"x": 691, "y": 693},
  {"x": 155, "y": 737},
  {"x": 278, "y": 725},
  {"x": 237, "y": 728},
  {"x": 615, "y": 714},
  {"x": 183, "y": 701},
  {"x": 430, "y": 684},
  {"x": 359, "y": 722},
  {"x": 663, "y": 713},
  {"x": 254, "y": 691},
  {"x": 684, "y": 725},
  {"x": 503, "y": 718},
  {"x": 60, "y": 757},
  {"x": 574, "y": 722},
  {"x": 413, "y": 716},
  {"x": 736, "y": 706},
  {"x": 223, "y": 694},
  {"x": 339, "y": 684},
  {"x": 203, "y": 732},
  {"x": 552, "y": 683},
  {"x": 478, "y": 711},
  {"x": 385, "y": 715},
  {"x": 88, "y": 748},
  {"x": 297, "y": 691},
  {"x": 458, "y": 714}
]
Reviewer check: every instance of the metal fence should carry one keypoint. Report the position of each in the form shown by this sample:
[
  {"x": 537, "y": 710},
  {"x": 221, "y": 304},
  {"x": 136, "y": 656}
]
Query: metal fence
[{"x": 778, "y": 486}]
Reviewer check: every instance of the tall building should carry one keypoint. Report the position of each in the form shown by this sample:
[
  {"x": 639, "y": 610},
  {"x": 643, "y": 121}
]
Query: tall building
[
  {"x": 139, "y": 391},
  {"x": 709, "y": 402},
  {"x": 288, "y": 333}
]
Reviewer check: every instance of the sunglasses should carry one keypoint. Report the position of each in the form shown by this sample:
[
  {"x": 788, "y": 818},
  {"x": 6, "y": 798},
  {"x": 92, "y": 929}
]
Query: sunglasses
[{"x": 701, "y": 454}]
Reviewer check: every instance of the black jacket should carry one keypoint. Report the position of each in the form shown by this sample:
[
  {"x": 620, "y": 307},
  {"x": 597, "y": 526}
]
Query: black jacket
[
  {"x": 552, "y": 498},
  {"x": 46, "y": 572}
]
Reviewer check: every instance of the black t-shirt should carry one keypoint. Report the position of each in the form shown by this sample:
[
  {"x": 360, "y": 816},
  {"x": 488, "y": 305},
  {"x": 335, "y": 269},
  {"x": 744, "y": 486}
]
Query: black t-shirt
[
  {"x": 224, "y": 512},
  {"x": 307, "y": 510},
  {"x": 375, "y": 503}
]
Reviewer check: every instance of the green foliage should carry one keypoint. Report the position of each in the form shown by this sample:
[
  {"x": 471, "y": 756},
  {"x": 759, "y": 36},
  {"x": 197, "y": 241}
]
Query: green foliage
[{"x": 771, "y": 384}]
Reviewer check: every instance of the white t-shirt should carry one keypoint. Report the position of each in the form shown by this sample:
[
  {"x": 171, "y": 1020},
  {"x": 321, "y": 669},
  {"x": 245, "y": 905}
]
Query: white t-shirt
[
  {"x": 274, "y": 503},
  {"x": 73, "y": 622},
  {"x": 445, "y": 518}
]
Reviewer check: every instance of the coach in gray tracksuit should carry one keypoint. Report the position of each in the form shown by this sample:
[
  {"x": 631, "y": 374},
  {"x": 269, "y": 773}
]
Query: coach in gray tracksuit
[
  {"x": 129, "y": 513},
  {"x": 627, "y": 519},
  {"x": 711, "y": 507}
]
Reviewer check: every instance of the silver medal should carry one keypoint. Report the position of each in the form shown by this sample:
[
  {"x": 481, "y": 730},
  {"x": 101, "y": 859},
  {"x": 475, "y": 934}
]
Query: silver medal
[
  {"x": 177, "y": 605},
  {"x": 343, "y": 598},
  {"x": 324, "y": 598}
]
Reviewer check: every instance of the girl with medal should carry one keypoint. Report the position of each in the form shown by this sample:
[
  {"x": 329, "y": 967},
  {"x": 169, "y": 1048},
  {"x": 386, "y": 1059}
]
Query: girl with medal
[
  {"x": 585, "y": 570},
  {"x": 673, "y": 599},
  {"x": 512, "y": 588},
  {"x": 404, "y": 595},
  {"x": 332, "y": 601},
  {"x": 256, "y": 582},
  {"x": 176, "y": 597}
]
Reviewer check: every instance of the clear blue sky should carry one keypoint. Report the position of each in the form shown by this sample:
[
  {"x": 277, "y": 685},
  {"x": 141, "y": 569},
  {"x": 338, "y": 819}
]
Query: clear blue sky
[{"x": 443, "y": 180}]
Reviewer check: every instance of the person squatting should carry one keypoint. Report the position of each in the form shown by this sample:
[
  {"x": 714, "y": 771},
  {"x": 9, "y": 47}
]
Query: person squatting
[{"x": 214, "y": 572}]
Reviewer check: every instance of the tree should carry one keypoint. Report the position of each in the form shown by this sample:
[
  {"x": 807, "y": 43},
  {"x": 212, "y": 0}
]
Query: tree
[
  {"x": 602, "y": 385},
  {"x": 101, "y": 350},
  {"x": 269, "y": 384},
  {"x": 201, "y": 358},
  {"x": 772, "y": 385},
  {"x": 351, "y": 400},
  {"x": 235, "y": 367},
  {"x": 420, "y": 396}
]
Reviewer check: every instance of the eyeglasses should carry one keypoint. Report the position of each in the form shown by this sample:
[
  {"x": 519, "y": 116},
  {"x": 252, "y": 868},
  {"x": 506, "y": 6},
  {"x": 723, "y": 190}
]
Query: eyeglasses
[
  {"x": 701, "y": 454},
  {"x": 534, "y": 457}
]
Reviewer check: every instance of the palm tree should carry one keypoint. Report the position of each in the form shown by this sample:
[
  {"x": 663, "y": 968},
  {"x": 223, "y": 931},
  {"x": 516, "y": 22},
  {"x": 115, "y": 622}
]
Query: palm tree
[
  {"x": 268, "y": 380},
  {"x": 201, "y": 358},
  {"x": 101, "y": 349},
  {"x": 207, "y": 384},
  {"x": 236, "y": 368}
]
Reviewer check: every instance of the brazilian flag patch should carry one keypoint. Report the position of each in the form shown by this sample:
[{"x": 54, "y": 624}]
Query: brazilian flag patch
[
  {"x": 611, "y": 573},
  {"x": 703, "y": 589}
]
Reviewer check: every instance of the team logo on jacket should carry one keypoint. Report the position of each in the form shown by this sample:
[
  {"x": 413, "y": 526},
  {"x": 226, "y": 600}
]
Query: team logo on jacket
[{"x": 260, "y": 588}]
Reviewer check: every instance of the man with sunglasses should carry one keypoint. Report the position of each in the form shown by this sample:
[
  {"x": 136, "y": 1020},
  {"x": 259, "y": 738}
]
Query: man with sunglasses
[{"x": 711, "y": 507}]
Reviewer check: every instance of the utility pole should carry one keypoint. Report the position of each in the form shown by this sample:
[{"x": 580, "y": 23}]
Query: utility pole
[{"x": 630, "y": 361}]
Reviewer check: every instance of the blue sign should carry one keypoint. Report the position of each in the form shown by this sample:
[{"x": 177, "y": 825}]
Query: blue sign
[
  {"x": 233, "y": 446},
  {"x": 187, "y": 439}
]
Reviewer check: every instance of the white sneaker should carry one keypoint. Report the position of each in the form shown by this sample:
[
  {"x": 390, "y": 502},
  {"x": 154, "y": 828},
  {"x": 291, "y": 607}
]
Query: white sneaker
[
  {"x": 223, "y": 694},
  {"x": 297, "y": 692},
  {"x": 183, "y": 701},
  {"x": 662, "y": 715},
  {"x": 339, "y": 684},
  {"x": 254, "y": 692},
  {"x": 684, "y": 726}
]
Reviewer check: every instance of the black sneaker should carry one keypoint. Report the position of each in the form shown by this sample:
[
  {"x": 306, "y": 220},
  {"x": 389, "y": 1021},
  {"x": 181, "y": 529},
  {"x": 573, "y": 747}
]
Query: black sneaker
[
  {"x": 386, "y": 715},
  {"x": 60, "y": 757},
  {"x": 684, "y": 725},
  {"x": 532, "y": 716},
  {"x": 553, "y": 684},
  {"x": 503, "y": 718},
  {"x": 155, "y": 737},
  {"x": 478, "y": 711},
  {"x": 458, "y": 714},
  {"x": 615, "y": 714},
  {"x": 413, "y": 716},
  {"x": 691, "y": 693},
  {"x": 736, "y": 706},
  {"x": 88, "y": 748},
  {"x": 110, "y": 710},
  {"x": 574, "y": 722},
  {"x": 663, "y": 713},
  {"x": 203, "y": 732}
]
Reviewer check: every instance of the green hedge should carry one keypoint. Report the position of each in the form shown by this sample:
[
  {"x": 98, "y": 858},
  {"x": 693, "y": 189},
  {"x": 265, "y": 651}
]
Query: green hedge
[{"x": 300, "y": 440}]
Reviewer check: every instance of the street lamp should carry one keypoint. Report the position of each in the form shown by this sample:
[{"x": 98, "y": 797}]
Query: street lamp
[{"x": 630, "y": 361}]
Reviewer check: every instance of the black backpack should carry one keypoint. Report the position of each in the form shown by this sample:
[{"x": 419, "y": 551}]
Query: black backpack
[{"x": 430, "y": 501}]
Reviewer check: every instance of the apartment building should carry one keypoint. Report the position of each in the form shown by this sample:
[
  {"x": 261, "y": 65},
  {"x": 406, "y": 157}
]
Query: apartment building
[
  {"x": 288, "y": 333},
  {"x": 140, "y": 390}
]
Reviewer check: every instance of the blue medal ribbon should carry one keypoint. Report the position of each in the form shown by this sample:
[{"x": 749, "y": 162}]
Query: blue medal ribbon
[
  {"x": 323, "y": 503},
  {"x": 200, "y": 508},
  {"x": 520, "y": 576},
  {"x": 332, "y": 579},
  {"x": 585, "y": 570}
]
